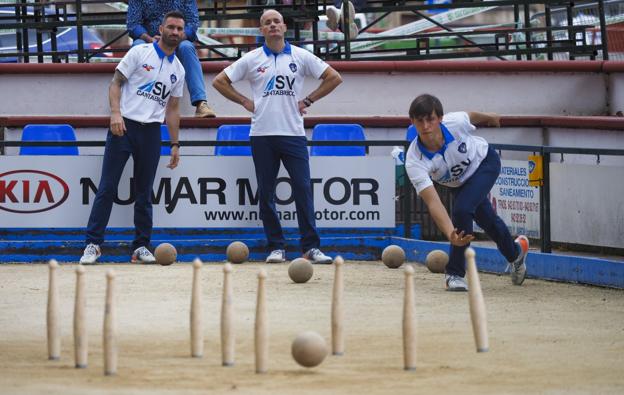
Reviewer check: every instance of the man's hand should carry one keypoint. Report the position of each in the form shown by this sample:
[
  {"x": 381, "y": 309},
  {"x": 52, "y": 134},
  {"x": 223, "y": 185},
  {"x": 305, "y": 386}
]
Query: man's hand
[
  {"x": 175, "y": 157},
  {"x": 249, "y": 105},
  {"x": 494, "y": 120},
  {"x": 460, "y": 239},
  {"x": 147, "y": 38},
  {"x": 302, "y": 107},
  {"x": 484, "y": 119},
  {"x": 117, "y": 125}
]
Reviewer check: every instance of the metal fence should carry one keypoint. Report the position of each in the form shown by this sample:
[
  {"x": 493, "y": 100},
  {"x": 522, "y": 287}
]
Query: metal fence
[{"x": 525, "y": 29}]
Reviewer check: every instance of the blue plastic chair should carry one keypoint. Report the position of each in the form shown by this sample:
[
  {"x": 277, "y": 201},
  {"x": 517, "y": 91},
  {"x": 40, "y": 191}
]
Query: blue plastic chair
[
  {"x": 351, "y": 132},
  {"x": 48, "y": 133},
  {"x": 164, "y": 136},
  {"x": 411, "y": 133},
  {"x": 233, "y": 133}
]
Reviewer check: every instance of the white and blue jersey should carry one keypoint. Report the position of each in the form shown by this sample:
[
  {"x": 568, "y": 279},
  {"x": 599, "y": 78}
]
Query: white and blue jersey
[
  {"x": 276, "y": 83},
  {"x": 454, "y": 163},
  {"x": 153, "y": 77}
]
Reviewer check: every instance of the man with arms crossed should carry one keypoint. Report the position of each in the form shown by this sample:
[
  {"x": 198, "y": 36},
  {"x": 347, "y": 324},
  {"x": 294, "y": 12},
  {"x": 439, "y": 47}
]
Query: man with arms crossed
[{"x": 276, "y": 72}]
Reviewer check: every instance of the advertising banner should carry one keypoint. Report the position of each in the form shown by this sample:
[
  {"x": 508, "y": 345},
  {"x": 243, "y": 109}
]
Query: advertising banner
[
  {"x": 516, "y": 202},
  {"x": 204, "y": 191}
]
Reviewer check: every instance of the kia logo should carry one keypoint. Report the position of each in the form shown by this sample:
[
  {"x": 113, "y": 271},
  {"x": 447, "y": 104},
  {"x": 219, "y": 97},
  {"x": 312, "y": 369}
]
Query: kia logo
[{"x": 31, "y": 191}]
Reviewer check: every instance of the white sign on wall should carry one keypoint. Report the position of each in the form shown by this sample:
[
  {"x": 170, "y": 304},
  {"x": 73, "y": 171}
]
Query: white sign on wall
[
  {"x": 515, "y": 202},
  {"x": 206, "y": 191}
]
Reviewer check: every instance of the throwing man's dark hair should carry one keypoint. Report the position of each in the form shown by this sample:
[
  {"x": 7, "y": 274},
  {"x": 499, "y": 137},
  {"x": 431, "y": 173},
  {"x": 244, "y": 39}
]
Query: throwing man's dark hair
[
  {"x": 173, "y": 14},
  {"x": 424, "y": 105}
]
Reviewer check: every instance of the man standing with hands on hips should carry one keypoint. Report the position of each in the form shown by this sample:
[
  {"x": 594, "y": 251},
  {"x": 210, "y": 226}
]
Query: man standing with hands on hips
[
  {"x": 276, "y": 72},
  {"x": 146, "y": 88}
]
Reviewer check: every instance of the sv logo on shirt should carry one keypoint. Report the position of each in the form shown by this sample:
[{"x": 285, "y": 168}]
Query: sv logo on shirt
[
  {"x": 279, "y": 82},
  {"x": 459, "y": 169},
  {"x": 161, "y": 90}
]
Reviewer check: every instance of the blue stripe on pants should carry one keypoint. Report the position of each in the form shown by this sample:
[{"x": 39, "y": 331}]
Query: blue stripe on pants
[
  {"x": 142, "y": 141},
  {"x": 268, "y": 152},
  {"x": 471, "y": 202}
]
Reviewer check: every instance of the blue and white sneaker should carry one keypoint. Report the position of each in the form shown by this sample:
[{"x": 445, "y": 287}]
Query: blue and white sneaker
[
  {"x": 518, "y": 267},
  {"x": 91, "y": 254},
  {"x": 455, "y": 283},
  {"x": 315, "y": 256},
  {"x": 276, "y": 256},
  {"x": 142, "y": 255}
]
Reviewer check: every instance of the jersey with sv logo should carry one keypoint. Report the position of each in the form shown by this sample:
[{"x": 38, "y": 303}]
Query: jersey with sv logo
[
  {"x": 276, "y": 83},
  {"x": 455, "y": 162},
  {"x": 153, "y": 77}
]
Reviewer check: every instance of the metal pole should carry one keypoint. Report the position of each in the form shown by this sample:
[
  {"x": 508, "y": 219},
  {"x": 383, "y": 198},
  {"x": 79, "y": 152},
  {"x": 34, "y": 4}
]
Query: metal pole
[
  {"x": 81, "y": 57},
  {"x": 53, "y": 42},
  {"x": 570, "y": 28},
  {"x": 407, "y": 199},
  {"x": 38, "y": 36},
  {"x": 548, "y": 23},
  {"x": 603, "y": 31},
  {"x": 545, "y": 206},
  {"x": 22, "y": 11},
  {"x": 517, "y": 21},
  {"x": 527, "y": 24},
  {"x": 346, "y": 31}
]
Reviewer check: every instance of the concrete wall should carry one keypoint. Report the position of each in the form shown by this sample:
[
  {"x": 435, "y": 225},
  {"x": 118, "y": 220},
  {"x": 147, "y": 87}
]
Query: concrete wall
[
  {"x": 587, "y": 204},
  {"x": 615, "y": 80},
  {"x": 366, "y": 91},
  {"x": 360, "y": 94}
]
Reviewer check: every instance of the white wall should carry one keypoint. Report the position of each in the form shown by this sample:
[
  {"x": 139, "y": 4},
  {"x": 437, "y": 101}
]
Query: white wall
[
  {"x": 616, "y": 93},
  {"x": 366, "y": 94},
  {"x": 587, "y": 204}
]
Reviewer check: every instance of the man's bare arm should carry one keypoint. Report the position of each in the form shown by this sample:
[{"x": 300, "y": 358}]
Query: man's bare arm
[
  {"x": 223, "y": 85},
  {"x": 117, "y": 125}
]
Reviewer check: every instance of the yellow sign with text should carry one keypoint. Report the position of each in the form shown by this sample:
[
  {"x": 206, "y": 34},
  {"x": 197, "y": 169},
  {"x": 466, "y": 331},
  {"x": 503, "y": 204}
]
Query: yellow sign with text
[{"x": 536, "y": 171}]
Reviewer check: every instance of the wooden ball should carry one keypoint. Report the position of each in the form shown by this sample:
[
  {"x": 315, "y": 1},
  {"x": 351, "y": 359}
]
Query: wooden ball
[
  {"x": 436, "y": 261},
  {"x": 237, "y": 252},
  {"x": 165, "y": 254},
  {"x": 309, "y": 349},
  {"x": 393, "y": 256},
  {"x": 300, "y": 270}
]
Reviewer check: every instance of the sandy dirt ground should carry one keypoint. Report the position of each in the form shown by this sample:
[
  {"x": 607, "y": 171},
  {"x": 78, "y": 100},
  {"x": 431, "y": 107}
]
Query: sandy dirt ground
[{"x": 545, "y": 337}]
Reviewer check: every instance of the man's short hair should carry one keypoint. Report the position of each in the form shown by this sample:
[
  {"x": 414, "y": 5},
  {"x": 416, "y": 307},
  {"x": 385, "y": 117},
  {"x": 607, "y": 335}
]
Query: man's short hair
[
  {"x": 424, "y": 105},
  {"x": 173, "y": 14},
  {"x": 269, "y": 10}
]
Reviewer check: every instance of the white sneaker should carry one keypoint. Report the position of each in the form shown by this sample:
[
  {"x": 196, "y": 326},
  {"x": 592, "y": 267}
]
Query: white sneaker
[
  {"x": 315, "y": 256},
  {"x": 455, "y": 283},
  {"x": 91, "y": 254},
  {"x": 353, "y": 30},
  {"x": 142, "y": 255},
  {"x": 518, "y": 267},
  {"x": 276, "y": 256},
  {"x": 333, "y": 16}
]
